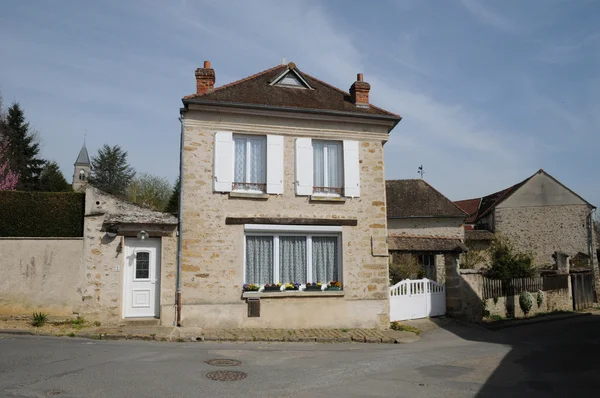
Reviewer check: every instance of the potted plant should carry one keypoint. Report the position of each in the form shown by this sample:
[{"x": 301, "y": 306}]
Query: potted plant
[
  {"x": 334, "y": 285},
  {"x": 292, "y": 286},
  {"x": 251, "y": 287},
  {"x": 315, "y": 286},
  {"x": 273, "y": 287}
]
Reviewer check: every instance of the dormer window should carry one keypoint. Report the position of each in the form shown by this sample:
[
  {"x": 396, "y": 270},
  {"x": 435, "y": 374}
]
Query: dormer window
[{"x": 291, "y": 78}]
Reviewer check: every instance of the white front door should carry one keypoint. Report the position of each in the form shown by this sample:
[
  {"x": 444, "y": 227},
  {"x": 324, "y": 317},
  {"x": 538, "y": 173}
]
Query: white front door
[{"x": 142, "y": 276}]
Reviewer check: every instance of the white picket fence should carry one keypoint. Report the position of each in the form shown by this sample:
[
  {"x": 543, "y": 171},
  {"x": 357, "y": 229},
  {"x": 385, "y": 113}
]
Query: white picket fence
[{"x": 414, "y": 299}]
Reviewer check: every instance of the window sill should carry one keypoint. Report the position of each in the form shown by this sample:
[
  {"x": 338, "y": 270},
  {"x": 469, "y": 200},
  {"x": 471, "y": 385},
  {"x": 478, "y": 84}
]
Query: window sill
[
  {"x": 326, "y": 198},
  {"x": 297, "y": 293},
  {"x": 249, "y": 195}
]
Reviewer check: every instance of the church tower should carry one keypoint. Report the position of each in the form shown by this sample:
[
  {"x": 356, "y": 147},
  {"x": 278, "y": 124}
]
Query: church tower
[{"x": 82, "y": 170}]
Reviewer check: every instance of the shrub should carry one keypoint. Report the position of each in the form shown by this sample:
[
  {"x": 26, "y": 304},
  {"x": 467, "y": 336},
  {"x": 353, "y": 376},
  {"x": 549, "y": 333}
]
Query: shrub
[
  {"x": 39, "y": 319},
  {"x": 506, "y": 263},
  {"x": 525, "y": 302},
  {"x": 41, "y": 214},
  {"x": 540, "y": 298},
  {"x": 404, "y": 266}
]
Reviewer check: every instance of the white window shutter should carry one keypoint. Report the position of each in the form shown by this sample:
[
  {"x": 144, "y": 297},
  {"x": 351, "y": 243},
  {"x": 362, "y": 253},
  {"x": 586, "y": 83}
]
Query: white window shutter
[
  {"x": 275, "y": 164},
  {"x": 351, "y": 169},
  {"x": 304, "y": 166},
  {"x": 223, "y": 163}
]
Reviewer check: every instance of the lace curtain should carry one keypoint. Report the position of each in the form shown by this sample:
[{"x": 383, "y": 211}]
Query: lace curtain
[
  {"x": 327, "y": 164},
  {"x": 292, "y": 259},
  {"x": 259, "y": 259},
  {"x": 252, "y": 168},
  {"x": 324, "y": 259}
]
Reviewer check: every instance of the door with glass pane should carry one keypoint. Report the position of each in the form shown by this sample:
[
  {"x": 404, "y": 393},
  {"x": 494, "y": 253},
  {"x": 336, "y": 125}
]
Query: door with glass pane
[{"x": 142, "y": 275}]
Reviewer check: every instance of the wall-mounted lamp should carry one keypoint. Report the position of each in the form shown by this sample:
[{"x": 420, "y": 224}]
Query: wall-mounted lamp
[
  {"x": 142, "y": 235},
  {"x": 112, "y": 231}
]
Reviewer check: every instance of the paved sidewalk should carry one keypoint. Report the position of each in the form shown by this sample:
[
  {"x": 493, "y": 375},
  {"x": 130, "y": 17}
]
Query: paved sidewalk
[{"x": 183, "y": 334}]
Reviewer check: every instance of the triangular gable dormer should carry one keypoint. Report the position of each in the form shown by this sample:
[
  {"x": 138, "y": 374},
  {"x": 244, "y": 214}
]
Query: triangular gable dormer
[{"x": 291, "y": 78}]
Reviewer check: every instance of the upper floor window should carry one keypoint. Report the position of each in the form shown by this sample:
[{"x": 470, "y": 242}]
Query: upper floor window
[
  {"x": 248, "y": 163},
  {"x": 250, "y": 167},
  {"x": 328, "y": 168}
]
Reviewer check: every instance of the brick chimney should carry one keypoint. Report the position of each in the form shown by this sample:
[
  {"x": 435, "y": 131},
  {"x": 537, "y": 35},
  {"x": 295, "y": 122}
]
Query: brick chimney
[
  {"x": 360, "y": 92},
  {"x": 205, "y": 79}
]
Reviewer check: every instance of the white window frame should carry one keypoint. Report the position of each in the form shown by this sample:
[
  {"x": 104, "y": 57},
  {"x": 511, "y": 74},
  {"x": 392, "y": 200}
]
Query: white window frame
[
  {"x": 308, "y": 231},
  {"x": 340, "y": 146},
  {"x": 249, "y": 139},
  {"x": 135, "y": 278}
]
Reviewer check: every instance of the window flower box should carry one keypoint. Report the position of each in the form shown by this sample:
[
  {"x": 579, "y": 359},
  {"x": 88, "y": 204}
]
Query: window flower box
[
  {"x": 251, "y": 287},
  {"x": 311, "y": 287},
  {"x": 292, "y": 286},
  {"x": 334, "y": 286},
  {"x": 275, "y": 287}
]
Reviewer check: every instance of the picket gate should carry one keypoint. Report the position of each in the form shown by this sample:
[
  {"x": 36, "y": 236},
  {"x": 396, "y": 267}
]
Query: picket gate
[{"x": 414, "y": 299}]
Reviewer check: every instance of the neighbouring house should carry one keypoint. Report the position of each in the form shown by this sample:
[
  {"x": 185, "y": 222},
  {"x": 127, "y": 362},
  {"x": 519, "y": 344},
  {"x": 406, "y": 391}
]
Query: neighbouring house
[
  {"x": 424, "y": 223},
  {"x": 283, "y": 181},
  {"x": 540, "y": 216},
  {"x": 86, "y": 253}
]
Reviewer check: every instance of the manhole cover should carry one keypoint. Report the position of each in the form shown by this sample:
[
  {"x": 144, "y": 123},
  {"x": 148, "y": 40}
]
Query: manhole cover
[
  {"x": 226, "y": 375},
  {"x": 224, "y": 362}
]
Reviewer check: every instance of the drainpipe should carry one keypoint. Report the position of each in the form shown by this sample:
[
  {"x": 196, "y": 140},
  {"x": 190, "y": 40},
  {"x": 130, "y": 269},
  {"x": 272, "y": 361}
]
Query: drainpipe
[
  {"x": 591, "y": 250},
  {"x": 180, "y": 231}
]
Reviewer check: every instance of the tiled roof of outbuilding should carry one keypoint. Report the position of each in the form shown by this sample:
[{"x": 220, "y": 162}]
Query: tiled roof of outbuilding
[{"x": 416, "y": 198}]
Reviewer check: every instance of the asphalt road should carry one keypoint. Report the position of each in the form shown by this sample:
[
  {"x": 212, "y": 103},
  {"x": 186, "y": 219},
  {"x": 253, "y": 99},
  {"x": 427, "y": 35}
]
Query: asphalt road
[{"x": 553, "y": 359}]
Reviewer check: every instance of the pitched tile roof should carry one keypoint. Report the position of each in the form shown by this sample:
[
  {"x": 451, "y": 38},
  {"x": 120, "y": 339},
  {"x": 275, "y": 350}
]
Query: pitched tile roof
[
  {"x": 256, "y": 90},
  {"x": 416, "y": 198},
  {"x": 470, "y": 206},
  {"x": 425, "y": 244}
]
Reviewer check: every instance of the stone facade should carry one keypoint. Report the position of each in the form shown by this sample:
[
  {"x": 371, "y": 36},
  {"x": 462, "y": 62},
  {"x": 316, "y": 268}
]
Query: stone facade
[
  {"x": 452, "y": 228},
  {"x": 544, "y": 230},
  {"x": 101, "y": 289},
  {"x": 213, "y": 252}
]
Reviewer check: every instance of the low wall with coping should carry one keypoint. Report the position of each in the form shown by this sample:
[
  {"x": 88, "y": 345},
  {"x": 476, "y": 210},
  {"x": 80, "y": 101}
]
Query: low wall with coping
[
  {"x": 464, "y": 298},
  {"x": 40, "y": 274}
]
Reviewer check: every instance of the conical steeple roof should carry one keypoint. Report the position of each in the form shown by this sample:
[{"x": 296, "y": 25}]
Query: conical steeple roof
[{"x": 83, "y": 158}]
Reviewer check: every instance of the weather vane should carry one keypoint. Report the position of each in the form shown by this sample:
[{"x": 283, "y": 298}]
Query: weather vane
[{"x": 420, "y": 171}]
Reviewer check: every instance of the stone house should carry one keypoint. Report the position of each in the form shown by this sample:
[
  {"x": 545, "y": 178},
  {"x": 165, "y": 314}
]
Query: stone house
[
  {"x": 423, "y": 222},
  {"x": 283, "y": 181},
  {"x": 540, "y": 216}
]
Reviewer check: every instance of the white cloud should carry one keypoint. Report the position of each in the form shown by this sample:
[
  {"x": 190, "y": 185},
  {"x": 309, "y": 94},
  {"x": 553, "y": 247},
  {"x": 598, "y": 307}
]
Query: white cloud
[{"x": 486, "y": 16}]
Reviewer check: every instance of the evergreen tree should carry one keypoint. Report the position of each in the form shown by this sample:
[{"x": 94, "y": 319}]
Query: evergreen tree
[
  {"x": 173, "y": 205},
  {"x": 21, "y": 149},
  {"x": 53, "y": 180},
  {"x": 110, "y": 170}
]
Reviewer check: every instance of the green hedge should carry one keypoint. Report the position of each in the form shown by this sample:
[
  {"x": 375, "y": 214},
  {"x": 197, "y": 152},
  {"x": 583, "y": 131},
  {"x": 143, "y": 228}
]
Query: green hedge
[{"x": 41, "y": 214}]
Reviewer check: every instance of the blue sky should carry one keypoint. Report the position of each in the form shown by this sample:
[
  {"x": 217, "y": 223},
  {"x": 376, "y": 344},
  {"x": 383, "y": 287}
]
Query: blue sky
[{"x": 490, "y": 91}]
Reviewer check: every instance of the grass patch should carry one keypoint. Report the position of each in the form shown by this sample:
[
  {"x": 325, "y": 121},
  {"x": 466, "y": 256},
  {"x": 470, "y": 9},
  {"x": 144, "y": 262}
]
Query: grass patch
[
  {"x": 404, "y": 328},
  {"x": 71, "y": 334},
  {"x": 344, "y": 330}
]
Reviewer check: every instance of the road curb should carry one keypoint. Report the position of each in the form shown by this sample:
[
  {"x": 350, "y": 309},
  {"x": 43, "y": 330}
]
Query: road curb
[{"x": 533, "y": 321}]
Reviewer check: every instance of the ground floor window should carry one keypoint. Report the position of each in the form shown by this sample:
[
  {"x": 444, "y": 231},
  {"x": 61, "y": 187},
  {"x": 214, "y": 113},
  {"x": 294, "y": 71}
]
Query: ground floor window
[{"x": 292, "y": 257}]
